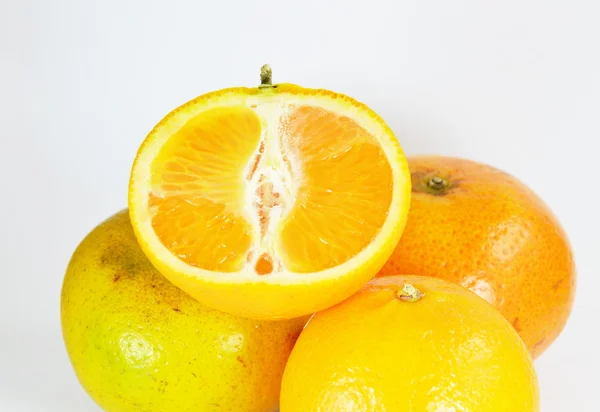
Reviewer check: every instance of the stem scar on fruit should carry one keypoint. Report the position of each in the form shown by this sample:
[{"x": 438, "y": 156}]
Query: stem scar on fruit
[
  {"x": 409, "y": 293},
  {"x": 437, "y": 183},
  {"x": 431, "y": 183}
]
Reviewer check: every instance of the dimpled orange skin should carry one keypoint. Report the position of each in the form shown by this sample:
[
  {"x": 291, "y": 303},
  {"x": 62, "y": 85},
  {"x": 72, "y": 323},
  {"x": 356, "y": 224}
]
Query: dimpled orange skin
[
  {"x": 490, "y": 233},
  {"x": 448, "y": 351}
]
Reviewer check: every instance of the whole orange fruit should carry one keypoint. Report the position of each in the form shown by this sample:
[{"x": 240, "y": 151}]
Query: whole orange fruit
[
  {"x": 410, "y": 343},
  {"x": 138, "y": 343},
  {"x": 482, "y": 228}
]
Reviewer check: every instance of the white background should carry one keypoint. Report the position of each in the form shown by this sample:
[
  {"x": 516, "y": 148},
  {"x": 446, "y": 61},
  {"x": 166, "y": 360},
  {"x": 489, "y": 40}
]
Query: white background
[{"x": 513, "y": 83}]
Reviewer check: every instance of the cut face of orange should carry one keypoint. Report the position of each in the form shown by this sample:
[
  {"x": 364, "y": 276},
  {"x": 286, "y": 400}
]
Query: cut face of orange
[{"x": 270, "y": 202}]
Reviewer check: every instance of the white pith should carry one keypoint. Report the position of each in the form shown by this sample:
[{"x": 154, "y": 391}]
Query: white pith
[{"x": 272, "y": 170}]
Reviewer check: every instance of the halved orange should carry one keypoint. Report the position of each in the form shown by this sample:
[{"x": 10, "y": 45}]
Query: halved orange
[{"x": 270, "y": 202}]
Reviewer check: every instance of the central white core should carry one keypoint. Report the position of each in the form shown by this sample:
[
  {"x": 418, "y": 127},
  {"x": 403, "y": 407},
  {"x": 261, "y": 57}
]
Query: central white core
[{"x": 273, "y": 174}]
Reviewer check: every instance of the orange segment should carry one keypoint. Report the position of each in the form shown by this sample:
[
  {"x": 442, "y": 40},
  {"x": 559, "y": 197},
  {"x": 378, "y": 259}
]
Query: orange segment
[
  {"x": 202, "y": 234},
  {"x": 345, "y": 192},
  {"x": 198, "y": 186}
]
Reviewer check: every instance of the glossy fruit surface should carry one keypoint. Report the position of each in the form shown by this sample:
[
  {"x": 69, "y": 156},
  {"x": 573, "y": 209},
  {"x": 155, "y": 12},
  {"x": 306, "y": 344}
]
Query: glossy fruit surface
[
  {"x": 138, "y": 343},
  {"x": 269, "y": 202},
  {"x": 482, "y": 228},
  {"x": 410, "y": 344}
]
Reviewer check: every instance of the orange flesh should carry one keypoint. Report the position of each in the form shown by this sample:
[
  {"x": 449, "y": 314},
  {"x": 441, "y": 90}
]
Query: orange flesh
[{"x": 226, "y": 195}]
